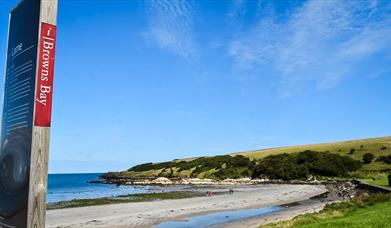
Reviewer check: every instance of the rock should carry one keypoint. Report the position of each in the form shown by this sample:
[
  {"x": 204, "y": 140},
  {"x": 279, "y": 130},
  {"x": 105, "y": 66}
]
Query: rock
[{"x": 161, "y": 180}]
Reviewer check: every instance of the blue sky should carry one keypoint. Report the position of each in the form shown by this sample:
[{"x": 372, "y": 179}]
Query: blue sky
[{"x": 149, "y": 81}]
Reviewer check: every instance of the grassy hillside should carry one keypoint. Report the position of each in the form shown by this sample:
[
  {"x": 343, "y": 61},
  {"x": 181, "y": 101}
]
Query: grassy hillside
[
  {"x": 377, "y": 146},
  {"x": 245, "y": 164},
  {"x": 373, "y": 145},
  {"x": 217, "y": 167}
]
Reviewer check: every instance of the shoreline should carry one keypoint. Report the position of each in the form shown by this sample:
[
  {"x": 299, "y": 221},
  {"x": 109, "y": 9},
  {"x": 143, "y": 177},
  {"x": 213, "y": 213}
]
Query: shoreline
[
  {"x": 185, "y": 181},
  {"x": 299, "y": 208},
  {"x": 148, "y": 214},
  {"x": 344, "y": 189}
]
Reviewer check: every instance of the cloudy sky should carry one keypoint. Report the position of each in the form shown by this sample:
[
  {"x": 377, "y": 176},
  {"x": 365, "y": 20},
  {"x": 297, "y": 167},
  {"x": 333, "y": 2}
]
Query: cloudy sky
[{"x": 140, "y": 81}]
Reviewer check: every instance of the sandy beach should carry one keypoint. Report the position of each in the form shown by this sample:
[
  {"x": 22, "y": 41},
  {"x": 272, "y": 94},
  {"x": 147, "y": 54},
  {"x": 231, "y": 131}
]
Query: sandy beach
[{"x": 148, "y": 214}]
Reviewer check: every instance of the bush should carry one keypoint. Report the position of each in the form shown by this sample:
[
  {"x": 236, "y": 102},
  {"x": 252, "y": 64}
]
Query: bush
[
  {"x": 368, "y": 158},
  {"x": 385, "y": 159},
  {"x": 327, "y": 164},
  {"x": 372, "y": 199},
  {"x": 300, "y": 166},
  {"x": 282, "y": 166},
  {"x": 150, "y": 166}
]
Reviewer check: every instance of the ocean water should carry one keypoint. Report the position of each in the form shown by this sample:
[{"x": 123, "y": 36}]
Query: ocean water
[{"x": 63, "y": 187}]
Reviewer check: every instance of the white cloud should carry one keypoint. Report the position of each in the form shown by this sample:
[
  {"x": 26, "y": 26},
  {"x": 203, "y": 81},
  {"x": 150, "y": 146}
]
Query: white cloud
[
  {"x": 238, "y": 8},
  {"x": 319, "y": 44},
  {"x": 170, "y": 26}
]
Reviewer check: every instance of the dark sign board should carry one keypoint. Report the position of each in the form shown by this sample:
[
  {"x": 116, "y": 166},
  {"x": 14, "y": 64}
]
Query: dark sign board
[{"x": 26, "y": 106}]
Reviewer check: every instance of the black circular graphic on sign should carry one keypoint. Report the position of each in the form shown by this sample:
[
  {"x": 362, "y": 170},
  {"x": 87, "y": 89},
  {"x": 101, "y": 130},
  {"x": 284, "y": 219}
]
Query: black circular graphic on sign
[{"x": 14, "y": 170}]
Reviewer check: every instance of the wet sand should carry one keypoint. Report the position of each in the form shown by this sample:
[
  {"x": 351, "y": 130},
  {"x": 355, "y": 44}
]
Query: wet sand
[{"x": 147, "y": 214}]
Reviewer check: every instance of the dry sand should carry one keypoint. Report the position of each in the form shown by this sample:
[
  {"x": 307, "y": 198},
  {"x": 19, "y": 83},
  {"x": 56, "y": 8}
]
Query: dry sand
[{"x": 147, "y": 214}]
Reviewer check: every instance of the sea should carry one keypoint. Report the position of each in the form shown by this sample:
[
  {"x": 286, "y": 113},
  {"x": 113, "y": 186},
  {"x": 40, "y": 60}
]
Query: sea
[{"x": 65, "y": 187}]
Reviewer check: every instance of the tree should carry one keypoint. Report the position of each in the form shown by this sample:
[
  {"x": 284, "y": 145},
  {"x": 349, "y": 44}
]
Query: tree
[{"x": 368, "y": 158}]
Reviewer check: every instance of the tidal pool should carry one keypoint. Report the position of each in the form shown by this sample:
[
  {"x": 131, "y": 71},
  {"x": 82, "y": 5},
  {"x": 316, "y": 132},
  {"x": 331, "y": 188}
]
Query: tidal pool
[{"x": 216, "y": 219}]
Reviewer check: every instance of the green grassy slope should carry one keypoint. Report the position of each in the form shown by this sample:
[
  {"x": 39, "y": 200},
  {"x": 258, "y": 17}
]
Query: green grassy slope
[
  {"x": 375, "y": 216},
  {"x": 217, "y": 167},
  {"x": 377, "y": 170},
  {"x": 372, "y": 145},
  {"x": 378, "y": 215},
  {"x": 356, "y": 213}
]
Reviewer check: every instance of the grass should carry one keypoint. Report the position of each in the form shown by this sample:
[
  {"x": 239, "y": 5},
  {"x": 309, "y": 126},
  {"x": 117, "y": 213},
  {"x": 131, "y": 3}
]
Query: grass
[
  {"x": 124, "y": 199},
  {"x": 380, "y": 181},
  {"x": 366, "y": 211},
  {"x": 145, "y": 174}
]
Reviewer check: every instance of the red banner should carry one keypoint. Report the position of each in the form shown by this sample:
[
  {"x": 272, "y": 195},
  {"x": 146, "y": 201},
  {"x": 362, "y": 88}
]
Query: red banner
[{"x": 44, "y": 83}]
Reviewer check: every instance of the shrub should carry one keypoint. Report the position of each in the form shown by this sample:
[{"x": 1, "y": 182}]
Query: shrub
[
  {"x": 327, "y": 164},
  {"x": 300, "y": 166},
  {"x": 372, "y": 199},
  {"x": 150, "y": 166},
  {"x": 368, "y": 158},
  {"x": 282, "y": 166},
  {"x": 234, "y": 173},
  {"x": 385, "y": 159}
]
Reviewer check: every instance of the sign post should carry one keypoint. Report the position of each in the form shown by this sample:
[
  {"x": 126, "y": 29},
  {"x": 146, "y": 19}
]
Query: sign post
[{"x": 26, "y": 117}]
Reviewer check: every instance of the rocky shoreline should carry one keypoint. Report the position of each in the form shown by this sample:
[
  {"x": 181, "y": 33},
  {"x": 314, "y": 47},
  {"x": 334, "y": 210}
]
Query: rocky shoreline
[
  {"x": 342, "y": 189},
  {"x": 110, "y": 178}
]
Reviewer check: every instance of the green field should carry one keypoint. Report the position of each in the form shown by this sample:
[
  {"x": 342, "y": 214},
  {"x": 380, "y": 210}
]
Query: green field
[{"x": 354, "y": 214}]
